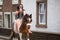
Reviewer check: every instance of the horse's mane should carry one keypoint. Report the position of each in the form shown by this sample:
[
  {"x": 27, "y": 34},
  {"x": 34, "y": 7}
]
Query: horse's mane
[{"x": 26, "y": 15}]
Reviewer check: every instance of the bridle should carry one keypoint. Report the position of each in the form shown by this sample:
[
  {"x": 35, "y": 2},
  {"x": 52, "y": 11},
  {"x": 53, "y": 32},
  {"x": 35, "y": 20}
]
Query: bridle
[{"x": 25, "y": 20}]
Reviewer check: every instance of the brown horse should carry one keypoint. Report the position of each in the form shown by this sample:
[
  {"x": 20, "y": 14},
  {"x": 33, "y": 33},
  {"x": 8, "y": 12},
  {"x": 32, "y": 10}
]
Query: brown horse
[{"x": 25, "y": 26}]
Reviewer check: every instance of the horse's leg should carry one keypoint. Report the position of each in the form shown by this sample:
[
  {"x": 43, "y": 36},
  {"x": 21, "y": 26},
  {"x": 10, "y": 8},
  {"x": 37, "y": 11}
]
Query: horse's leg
[
  {"x": 20, "y": 34},
  {"x": 28, "y": 36}
]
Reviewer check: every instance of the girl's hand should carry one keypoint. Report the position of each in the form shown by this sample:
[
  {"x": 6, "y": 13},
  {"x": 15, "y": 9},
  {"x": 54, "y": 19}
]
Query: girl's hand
[
  {"x": 24, "y": 12},
  {"x": 17, "y": 12}
]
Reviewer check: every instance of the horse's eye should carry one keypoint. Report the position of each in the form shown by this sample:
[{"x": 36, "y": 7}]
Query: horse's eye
[{"x": 25, "y": 20}]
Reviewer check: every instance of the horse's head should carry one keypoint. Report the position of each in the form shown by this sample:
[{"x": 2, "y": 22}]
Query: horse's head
[
  {"x": 27, "y": 19},
  {"x": 26, "y": 22}
]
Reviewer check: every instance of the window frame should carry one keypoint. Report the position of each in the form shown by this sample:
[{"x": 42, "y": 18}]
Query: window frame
[
  {"x": 8, "y": 13},
  {"x": 1, "y": 2},
  {"x": 37, "y": 14},
  {"x": 1, "y": 13}
]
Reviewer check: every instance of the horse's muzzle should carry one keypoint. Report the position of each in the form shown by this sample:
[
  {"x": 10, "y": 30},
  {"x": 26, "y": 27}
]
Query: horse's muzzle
[{"x": 28, "y": 24}]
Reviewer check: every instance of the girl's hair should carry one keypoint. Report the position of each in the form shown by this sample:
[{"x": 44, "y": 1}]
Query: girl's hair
[
  {"x": 19, "y": 8},
  {"x": 19, "y": 5}
]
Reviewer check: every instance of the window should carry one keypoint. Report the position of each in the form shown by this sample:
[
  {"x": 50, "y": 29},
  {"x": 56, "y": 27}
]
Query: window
[
  {"x": 1, "y": 2},
  {"x": 41, "y": 13},
  {"x": 1, "y": 19},
  {"x": 7, "y": 19},
  {"x": 14, "y": 1}
]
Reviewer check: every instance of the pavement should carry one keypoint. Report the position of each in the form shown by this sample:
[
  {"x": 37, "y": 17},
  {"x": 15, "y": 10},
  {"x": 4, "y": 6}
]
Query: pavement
[{"x": 13, "y": 39}]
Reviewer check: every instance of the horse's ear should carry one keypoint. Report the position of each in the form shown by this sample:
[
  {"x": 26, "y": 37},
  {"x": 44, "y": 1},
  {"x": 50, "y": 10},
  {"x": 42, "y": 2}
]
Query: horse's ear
[
  {"x": 26, "y": 15},
  {"x": 30, "y": 15}
]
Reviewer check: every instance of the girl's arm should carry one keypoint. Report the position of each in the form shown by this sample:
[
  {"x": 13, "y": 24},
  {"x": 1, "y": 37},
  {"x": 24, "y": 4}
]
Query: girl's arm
[{"x": 17, "y": 12}]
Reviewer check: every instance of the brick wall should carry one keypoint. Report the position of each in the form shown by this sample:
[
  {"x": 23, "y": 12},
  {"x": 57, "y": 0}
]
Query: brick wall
[{"x": 7, "y": 5}]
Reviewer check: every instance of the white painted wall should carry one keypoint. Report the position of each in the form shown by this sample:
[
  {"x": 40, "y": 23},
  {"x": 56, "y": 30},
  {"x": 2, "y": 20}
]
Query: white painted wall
[
  {"x": 53, "y": 15},
  {"x": 30, "y": 8}
]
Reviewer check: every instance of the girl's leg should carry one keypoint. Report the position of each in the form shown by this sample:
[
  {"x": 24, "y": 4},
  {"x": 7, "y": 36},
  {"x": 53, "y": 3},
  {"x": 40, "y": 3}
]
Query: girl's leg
[{"x": 20, "y": 34}]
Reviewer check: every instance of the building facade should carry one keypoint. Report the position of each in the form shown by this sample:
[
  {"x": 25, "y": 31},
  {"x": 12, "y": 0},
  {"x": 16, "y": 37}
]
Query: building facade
[
  {"x": 45, "y": 14},
  {"x": 7, "y": 12},
  {"x": 52, "y": 20}
]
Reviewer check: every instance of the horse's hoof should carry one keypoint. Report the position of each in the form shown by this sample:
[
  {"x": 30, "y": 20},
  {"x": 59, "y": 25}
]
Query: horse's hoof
[{"x": 28, "y": 39}]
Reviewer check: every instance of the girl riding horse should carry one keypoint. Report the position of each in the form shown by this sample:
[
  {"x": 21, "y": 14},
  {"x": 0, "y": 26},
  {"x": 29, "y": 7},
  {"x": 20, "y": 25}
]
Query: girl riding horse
[
  {"x": 20, "y": 12},
  {"x": 24, "y": 27},
  {"x": 22, "y": 22}
]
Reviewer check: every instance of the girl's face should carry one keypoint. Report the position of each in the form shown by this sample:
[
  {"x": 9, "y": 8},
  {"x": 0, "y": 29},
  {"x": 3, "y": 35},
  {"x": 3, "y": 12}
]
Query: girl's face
[{"x": 21, "y": 6}]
